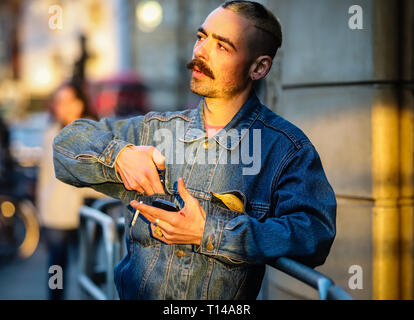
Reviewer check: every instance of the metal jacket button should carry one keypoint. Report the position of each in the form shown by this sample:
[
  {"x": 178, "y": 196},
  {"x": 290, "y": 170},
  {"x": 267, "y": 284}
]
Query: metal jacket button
[
  {"x": 206, "y": 145},
  {"x": 181, "y": 253},
  {"x": 109, "y": 156},
  {"x": 210, "y": 246}
]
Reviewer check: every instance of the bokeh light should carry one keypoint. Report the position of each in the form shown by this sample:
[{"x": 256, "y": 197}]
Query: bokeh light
[
  {"x": 7, "y": 209},
  {"x": 149, "y": 15}
]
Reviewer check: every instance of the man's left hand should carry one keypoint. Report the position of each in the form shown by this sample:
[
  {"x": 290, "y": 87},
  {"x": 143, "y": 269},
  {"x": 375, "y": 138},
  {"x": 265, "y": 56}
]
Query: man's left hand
[{"x": 183, "y": 227}]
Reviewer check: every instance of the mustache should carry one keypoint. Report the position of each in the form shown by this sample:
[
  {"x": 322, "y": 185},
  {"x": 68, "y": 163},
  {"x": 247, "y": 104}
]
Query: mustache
[{"x": 201, "y": 66}]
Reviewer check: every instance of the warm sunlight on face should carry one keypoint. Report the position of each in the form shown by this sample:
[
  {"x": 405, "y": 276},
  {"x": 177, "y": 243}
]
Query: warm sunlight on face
[{"x": 222, "y": 46}]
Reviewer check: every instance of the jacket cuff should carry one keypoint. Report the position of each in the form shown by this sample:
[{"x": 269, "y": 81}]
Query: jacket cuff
[
  {"x": 109, "y": 156},
  {"x": 217, "y": 240},
  {"x": 213, "y": 228}
]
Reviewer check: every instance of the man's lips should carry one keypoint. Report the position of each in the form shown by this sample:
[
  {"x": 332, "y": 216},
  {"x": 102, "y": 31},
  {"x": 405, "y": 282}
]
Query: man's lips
[{"x": 198, "y": 73}]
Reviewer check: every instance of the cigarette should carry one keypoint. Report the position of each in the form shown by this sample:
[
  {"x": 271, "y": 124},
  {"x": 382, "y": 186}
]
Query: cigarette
[{"x": 135, "y": 216}]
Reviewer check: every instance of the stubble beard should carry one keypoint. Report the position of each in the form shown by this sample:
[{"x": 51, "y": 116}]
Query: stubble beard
[
  {"x": 203, "y": 88},
  {"x": 206, "y": 88}
]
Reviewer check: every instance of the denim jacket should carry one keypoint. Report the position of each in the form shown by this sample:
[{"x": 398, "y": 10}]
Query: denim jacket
[{"x": 289, "y": 207}]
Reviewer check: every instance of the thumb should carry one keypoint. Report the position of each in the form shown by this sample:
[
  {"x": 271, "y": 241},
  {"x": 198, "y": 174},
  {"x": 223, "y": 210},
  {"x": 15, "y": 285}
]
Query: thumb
[
  {"x": 182, "y": 190},
  {"x": 158, "y": 159}
]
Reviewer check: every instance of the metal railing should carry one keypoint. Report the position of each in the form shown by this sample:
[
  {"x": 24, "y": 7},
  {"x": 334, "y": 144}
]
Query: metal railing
[
  {"x": 326, "y": 287},
  {"x": 93, "y": 218},
  {"x": 95, "y": 224}
]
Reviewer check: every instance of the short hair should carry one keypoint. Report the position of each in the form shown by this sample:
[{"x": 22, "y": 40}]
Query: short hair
[{"x": 264, "y": 20}]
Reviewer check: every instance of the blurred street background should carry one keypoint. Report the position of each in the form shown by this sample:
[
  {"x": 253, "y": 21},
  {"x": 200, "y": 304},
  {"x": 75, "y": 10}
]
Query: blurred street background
[
  {"x": 28, "y": 279},
  {"x": 344, "y": 75}
]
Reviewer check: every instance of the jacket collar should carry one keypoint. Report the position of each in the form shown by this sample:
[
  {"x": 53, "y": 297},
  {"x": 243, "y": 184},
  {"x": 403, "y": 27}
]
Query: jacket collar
[{"x": 233, "y": 132}]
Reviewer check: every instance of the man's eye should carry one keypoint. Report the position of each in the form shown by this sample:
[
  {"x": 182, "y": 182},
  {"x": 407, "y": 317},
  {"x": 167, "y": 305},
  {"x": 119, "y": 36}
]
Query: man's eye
[
  {"x": 200, "y": 37},
  {"x": 221, "y": 47}
]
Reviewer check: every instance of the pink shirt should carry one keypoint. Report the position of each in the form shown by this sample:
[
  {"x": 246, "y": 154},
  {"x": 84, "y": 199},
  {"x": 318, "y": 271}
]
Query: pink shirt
[{"x": 212, "y": 130}]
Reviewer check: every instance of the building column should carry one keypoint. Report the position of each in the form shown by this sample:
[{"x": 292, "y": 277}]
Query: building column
[
  {"x": 406, "y": 71},
  {"x": 385, "y": 222},
  {"x": 406, "y": 195},
  {"x": 393, "y": 156}
]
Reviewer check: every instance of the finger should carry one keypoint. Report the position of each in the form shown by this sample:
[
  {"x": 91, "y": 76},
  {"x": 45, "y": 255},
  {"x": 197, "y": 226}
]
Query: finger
[
  {"x": 182, "y": 190},
  {"x": 158, "y": 159},
  {"x": 166, "y": 238},
  {"x": 134, "y": 185},
  {"x": 161, "y": 238},
  {"x": 154, "y": 233},
  {"x": 152, "y": 213},
  {"x": 155, "y": 181},
  {"x": 165, "y": 227},
  {"x": 146, "y": 185},
  {"x": 125, "y": 181},
  {"x": 129, "y": 183}
]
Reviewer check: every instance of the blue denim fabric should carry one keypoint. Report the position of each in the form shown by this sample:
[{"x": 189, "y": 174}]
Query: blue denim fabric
[{"x": 289, "y": 206}]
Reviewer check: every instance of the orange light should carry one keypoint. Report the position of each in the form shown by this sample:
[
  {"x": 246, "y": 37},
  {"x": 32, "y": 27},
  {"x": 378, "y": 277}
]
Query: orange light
[{"x": 7, "y": 209}]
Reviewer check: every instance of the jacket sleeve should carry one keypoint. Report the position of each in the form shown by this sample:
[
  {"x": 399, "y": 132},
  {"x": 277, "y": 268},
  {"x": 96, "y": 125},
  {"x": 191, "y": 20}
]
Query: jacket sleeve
[
  {"x": 85, "y": 151},
  {"x": 302, "y": 225}
]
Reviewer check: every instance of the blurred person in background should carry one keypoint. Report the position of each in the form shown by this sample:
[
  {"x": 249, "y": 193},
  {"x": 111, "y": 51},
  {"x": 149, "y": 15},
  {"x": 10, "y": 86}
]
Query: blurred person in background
[{"x": 59, "y": 203}]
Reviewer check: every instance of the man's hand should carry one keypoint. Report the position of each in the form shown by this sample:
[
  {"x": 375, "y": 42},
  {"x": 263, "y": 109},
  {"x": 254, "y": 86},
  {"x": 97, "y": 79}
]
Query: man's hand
[
  {"x": 183, "y": 227},
  {"x": 137, "y": 166}
]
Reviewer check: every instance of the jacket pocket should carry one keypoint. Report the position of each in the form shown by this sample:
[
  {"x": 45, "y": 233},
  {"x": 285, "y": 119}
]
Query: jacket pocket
[
  {"x": 139, "y": 227},
  {"x": 233, "y": 200},
  {"x": 230, "y": 263},
  {"x": 86, "y": 158},
  {"x": 226, "y": 206}
]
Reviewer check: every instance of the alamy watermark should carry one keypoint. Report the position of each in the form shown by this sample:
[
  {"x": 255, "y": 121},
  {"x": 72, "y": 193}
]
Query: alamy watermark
[
  {"x": 227, "y": 147},
  {"x": 356, "y": 21},
  {"x": 56, "y": 279},
  {"x": 56, "y": 17},
  {"x": 356, "y": 280}
]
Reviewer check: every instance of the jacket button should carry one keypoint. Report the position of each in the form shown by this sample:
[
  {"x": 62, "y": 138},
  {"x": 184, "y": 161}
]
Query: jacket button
[
  {"x": 109, "y": 156},
  {"x": 206, "y": 145},
  {"x": 181, "y": 253},
  {"x": 209, "y": 245}
]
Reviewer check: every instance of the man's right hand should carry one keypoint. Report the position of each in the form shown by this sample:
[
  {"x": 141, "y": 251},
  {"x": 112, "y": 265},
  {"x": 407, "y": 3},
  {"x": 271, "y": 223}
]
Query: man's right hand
[{"x": 137, "y": 166}]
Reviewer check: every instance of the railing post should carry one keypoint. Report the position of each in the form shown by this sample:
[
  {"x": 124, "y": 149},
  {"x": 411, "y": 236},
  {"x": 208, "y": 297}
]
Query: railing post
[{"x": 109, "y": 234}]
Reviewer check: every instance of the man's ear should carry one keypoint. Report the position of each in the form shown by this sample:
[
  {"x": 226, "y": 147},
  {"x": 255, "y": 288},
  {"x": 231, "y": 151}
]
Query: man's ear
[{"x": 260, "y": 67}]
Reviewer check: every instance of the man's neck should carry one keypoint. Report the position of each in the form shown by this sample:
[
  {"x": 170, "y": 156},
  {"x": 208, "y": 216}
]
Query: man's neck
[{"x": 219, "y": 112}]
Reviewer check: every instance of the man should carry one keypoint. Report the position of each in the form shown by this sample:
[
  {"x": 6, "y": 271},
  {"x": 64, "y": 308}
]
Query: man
[{"x": 234, "y": 218}]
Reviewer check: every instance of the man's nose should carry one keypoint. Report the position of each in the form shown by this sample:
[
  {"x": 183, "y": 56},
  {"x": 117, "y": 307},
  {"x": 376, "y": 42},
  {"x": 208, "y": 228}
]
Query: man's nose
[{"x": 201, "y": 50}]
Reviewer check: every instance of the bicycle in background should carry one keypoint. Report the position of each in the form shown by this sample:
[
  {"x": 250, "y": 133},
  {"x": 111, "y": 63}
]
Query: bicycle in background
[{"x": 19, "y": 227}]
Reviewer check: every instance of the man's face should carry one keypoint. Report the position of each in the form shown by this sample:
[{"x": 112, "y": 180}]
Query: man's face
[{"x": 221, "y": 56}]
